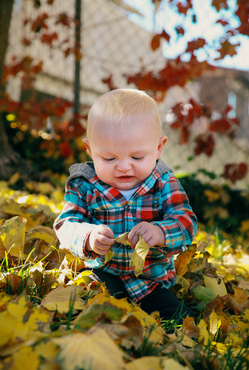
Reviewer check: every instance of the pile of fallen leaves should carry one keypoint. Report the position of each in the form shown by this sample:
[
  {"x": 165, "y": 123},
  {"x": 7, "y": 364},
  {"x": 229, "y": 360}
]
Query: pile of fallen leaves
[{"x": 54, "y": 317}]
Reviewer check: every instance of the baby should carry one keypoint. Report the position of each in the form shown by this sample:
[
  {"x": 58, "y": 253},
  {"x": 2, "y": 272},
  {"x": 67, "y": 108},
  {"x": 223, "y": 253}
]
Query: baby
[{"x": 127, "y": 188}]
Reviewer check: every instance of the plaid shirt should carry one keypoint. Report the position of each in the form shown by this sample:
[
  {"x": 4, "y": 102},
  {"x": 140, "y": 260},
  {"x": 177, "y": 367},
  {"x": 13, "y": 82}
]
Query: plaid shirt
[{"x": 160, "y": 200}]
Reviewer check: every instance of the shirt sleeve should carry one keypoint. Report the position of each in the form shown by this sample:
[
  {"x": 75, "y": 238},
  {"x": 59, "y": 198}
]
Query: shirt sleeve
[
  {"x": 73, "y": 225},
  {"x": 179, "y": 222}
]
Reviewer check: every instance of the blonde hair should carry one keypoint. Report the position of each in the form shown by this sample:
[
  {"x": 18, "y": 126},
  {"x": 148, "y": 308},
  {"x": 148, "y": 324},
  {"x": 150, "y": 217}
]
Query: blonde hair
[{"x": 122, "y": 106}]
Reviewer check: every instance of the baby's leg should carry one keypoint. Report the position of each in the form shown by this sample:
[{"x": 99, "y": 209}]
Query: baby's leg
[
  {"x": 113, "y": 283},
  {"x": 168, "y": 305}
]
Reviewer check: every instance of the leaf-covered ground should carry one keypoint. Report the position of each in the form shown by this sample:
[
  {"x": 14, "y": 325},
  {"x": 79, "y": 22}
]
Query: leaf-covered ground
[{"x": 53, "y": 317}]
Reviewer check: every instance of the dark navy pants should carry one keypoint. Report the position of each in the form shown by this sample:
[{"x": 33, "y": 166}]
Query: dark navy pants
[{"x": 160, "y": 299}]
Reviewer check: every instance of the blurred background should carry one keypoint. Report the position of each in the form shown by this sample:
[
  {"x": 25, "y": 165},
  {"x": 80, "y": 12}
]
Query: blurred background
[{"x": 59, "y": 56}]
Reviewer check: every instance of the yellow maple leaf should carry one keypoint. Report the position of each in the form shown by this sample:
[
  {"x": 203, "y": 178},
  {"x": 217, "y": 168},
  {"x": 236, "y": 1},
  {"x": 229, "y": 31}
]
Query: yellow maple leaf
[
  {"x": 92, "y": 351},
  {"x": 218, "y": 288},
  {"x": 138, "y": 256},
  {"x": 13, "y": 317},
  {"x": 25, "y": 358},
  {"x": 203, "y": 333},
  {"x": 48, "y": 350}
]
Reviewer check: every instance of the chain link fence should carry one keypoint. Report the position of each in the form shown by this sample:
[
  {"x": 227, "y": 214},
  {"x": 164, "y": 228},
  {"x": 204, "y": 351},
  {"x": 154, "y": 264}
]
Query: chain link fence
[{"x": 113, "y": 45}]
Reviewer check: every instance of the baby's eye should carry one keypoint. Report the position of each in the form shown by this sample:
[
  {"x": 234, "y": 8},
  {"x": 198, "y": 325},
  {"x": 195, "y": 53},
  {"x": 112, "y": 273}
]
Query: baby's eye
[
  {"x": 108, "y": 159},
  {"x": 137, "y": 158}
]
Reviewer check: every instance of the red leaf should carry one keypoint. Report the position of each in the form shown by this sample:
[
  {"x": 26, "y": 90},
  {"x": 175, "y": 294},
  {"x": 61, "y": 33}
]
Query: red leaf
[
  {"x": 183, "y": 9},
  {"x": 48, "y": 38},
  {"x": 220, "y": 4},
  {"x": 63, "y": 19},
  {"x": 195, "y": 44},
  {"x": 109, "y": 81},
  {"x": 155, "y": 42},
  {"x": 223, "y": 22},
  {"x": 180, "y": 30},
  {"x": 235, "y": 171},
  {"x": 39, "y": 23},
  {"x": 65, "y": 149},
  {"x": 204, "y": 144},
  {"x": 227, "y": 49}
]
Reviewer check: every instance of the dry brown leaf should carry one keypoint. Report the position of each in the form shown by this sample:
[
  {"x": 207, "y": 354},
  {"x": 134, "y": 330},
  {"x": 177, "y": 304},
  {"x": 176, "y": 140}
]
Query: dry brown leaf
[{"x": 184, "y": 259}]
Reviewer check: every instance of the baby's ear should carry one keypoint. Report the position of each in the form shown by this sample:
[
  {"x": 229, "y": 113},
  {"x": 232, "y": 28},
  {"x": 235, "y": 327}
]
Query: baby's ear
[
  {"x": 87, "y": 145},
  {"x": 162, "y": 142}
]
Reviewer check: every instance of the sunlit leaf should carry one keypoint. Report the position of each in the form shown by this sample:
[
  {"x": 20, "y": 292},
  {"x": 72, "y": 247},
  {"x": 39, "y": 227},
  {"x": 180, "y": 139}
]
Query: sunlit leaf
[
  {"x": 146, "y": 363},
  {"x": 95, "y": 351},
  {"x": 203, "y": 334},
  {"x": 183, "y": 260},
  {"x": 12, "y": 235},
  {"x": 138, "y": 256},
  {"x": 60, "y": 299},
  {"x": 214, "y": 323},
  {"x": 25, "y": 358},
  {"x": 122, "y": 239},
  {"x": 47, "y": 350},
  {"x": 215, "y": 286},
  {"x": 42, "y": 232},
  {"x": 203, "y": 293},
  {"x": 172, "y": 364}
]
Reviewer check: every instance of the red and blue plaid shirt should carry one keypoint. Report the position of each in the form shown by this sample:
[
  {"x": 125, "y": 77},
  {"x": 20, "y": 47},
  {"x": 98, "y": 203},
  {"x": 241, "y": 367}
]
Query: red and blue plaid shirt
[{"x": 160, "y": 200}]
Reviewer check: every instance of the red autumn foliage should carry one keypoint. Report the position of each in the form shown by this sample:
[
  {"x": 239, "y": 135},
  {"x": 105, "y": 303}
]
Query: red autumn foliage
[{"x": 235, "y": 171}]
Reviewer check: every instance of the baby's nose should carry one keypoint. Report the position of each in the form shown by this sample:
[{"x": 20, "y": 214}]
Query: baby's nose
[{"x": 123, "y": 166}]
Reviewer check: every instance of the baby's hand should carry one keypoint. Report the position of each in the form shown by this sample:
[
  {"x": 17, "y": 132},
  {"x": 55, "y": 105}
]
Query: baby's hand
[
  {"x": 100, "y": 240},
  {"x": 153, "y": 235}
]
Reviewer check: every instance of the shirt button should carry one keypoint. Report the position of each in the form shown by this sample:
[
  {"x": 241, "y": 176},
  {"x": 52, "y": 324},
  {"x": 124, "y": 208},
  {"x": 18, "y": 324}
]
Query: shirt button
[
  {"x": 155, "y": 204},
  {"x": 128, "y": 208}
]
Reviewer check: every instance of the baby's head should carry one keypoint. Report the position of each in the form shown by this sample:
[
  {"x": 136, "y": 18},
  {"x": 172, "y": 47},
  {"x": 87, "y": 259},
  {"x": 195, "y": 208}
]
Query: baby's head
[
  {"x": 124, "y": 137},
  {"x": 123, "y": 107}
]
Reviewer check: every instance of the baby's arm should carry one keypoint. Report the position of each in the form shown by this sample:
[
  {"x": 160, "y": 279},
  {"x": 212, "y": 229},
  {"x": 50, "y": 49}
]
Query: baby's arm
[
  {"x": 176, "y": 230},
  {"x": 75, "y": 225},
  {"x": 100, "y": 240}
]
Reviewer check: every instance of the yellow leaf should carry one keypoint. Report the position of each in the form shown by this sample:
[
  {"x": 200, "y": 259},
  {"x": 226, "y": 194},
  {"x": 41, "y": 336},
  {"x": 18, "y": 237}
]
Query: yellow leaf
[
  {"x": 145, "y": 363},
  {"x": 7, "y": 324},
  {"x": 172, "y": 364},
  {"x": 17, "y": 311},
  {"x": 203, "y": 334},
  {"x": 14, "y": 178},
  {"x": 245, "y": 314},
  {"x": 42, "y": 232},
  {"x": 13, "y": 235},
  {"x": 122, "y": 239},
  {"x": 211, "y": 195},
  {"x": 47, "y": 350},
  {"x": 138, "y": 256},
  {"x": 214, "y": 323},
  {"x": 40, "y": 187},
  {"x": 60, "y": 298},
  {"x": 109, "y": 255},
  {"x": 26, "y": 359},
  {"x": 213, "y": 284},
  {"x": 92, "y": 351},
  {"x": 244, "y": 226}
]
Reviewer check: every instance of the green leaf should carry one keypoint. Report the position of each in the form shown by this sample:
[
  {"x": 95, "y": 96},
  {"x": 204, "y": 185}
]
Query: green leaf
[{"x": 203, "y": 293}]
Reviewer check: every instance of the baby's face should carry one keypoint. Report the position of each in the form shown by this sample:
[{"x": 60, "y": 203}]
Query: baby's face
[{"x": 124, "y": 156}]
